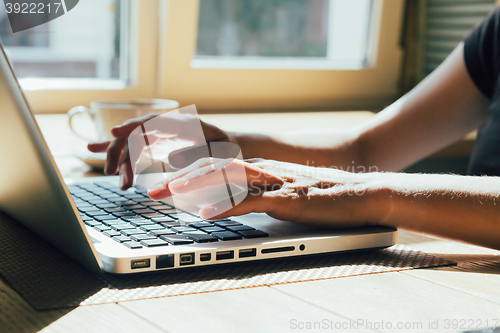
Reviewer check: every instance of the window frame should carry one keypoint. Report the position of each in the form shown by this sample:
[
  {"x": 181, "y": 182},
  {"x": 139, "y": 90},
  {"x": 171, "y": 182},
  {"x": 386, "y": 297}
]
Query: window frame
[
  {"x": 230, "y": 89},
  {"x": 143, "y": 42},
  {"x": 162, "y": 45}
]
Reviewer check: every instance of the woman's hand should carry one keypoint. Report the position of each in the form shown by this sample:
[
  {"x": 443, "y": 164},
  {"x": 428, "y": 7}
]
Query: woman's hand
[
  {"x": 284, "y": 191},
  {"x": 168, "y": 126}
]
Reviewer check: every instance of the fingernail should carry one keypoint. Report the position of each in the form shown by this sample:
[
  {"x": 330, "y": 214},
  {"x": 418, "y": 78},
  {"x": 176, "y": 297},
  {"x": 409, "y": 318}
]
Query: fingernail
[
  {"x": 123, "y": 180},
  {"x": 179, "y": 181},
  {"x": 155, "y": 189},
  {"x": 208, "y": 212}
]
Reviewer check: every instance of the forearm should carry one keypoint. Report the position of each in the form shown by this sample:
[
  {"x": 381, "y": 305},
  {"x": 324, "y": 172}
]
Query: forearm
[
  {"x": 440, "y": 110},
  {"x": 458, "y": 207},
  {"x": 326, "y": 148}
]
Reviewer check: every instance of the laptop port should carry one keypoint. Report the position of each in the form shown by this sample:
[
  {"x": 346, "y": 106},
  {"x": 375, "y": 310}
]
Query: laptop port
[
  {"x": 278, "y": 249},
  {"x": 245, "y": 253},
  {"x": 205, "y": 256},
  {"x": 165, "y": 261},
  {"x": 224, "y": 255},
  {"x": 186, "y": 259},
  {"x": 141, "y": 263}
]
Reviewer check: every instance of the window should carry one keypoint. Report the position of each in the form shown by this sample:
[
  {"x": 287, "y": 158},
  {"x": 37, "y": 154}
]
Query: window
[
  {"x": 99, "y": 49},
  {"x": 218, "y": 54},
  {"x": 280, "y": 54},
  {"x": 286, "y": 34},
  {"x": 71, "y": 47}
]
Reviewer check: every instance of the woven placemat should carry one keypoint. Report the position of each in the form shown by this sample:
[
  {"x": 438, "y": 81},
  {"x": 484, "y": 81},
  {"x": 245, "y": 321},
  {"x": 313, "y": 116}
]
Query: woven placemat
[{"x": 47, "y": 279}]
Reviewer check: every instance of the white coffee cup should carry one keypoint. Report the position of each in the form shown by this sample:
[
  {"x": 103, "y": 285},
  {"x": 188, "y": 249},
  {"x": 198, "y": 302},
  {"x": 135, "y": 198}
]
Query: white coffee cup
[{"x": 107, "y": 114}]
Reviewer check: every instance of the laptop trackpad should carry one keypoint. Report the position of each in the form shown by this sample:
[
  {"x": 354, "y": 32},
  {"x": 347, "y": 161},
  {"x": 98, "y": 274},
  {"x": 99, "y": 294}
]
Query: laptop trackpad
[{"x": 278, "y": 227}]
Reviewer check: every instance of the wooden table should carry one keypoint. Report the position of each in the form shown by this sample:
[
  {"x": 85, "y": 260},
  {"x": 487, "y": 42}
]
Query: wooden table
[{"x": 427, "y": 300}]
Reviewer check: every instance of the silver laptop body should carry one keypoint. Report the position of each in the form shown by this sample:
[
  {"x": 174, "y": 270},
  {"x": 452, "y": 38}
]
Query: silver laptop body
[{"x": 33, "y": 192}]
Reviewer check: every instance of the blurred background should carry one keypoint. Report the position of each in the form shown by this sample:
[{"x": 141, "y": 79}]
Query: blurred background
[{"x": 243, "y": 55}]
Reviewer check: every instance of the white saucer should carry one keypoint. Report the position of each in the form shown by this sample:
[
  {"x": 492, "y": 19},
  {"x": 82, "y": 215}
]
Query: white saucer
[{"x": 95, "y": 160}]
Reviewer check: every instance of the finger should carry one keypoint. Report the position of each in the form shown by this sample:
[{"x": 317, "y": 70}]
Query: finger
[
  {"x": 161, "y": 191},
  {"x": 236, "y": 172},
  {"x": 220, "y": 172},
  {"x": 137, "y": 143},
  {"x": 253, "y": 203},
  {"x": 125, "y": 170},
  {"x": 98, "y": 147},
  {"x": 124, "y": 130},
  {"x": 184, "y": 157},
  {"x": 114, "y": 154}
]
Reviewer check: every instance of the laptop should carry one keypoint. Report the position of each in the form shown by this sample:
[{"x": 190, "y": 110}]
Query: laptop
[{"x": 109, "y": 230}]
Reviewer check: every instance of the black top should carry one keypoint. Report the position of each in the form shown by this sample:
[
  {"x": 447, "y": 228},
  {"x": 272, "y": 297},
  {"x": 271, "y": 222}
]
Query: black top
[{"x": 482, "y": 59}]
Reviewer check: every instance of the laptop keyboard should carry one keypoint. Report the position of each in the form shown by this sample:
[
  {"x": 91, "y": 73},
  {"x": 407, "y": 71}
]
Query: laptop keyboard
[{"x": 132, "y": 219}]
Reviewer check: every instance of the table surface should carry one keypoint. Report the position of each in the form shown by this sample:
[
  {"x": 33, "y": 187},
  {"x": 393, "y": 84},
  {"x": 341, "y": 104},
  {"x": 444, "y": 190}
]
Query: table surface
[{"x": 459, "y": 298}]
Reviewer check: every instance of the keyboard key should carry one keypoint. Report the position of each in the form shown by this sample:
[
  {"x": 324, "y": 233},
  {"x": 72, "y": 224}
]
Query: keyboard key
[
  {"x": 133, "y": 218},
  {"x": 157, "y": 205},
  {"x": 92, "y": 223},
  {"x": 163, "y": 219},
  {"x": 89, "y": 209},
  {"x": 110, "y": 197},
  {"x": 98, "y": 201},
  {"x": 111, "y": 233},
  {"x": 190, "y": 218},
  {"x": 239, "y": 227},
  {"x": 112, "y": 222},
  {"x": 105, "y": 217},
  {"x": 200, "y": 237},
  {"x": 130, "y": 232},
  {"x": 89, "y": 186},
  {"x": 253, "y": 233},
  {"x": 106, "y": 185},
  {"x": 143, "y": 211},
  {"x": 161, "y": 232},
  {"x": 102, "y": 228},
  {"x": 166, "y": 211},
  {"x": 133, "y": 196},
  {"x": 115, "y": 209},
  {"x": 212, "y": 229},
  {"x": 96, "y": 213},
  {"x": 121, "y": 239},
  {"x": 140, "y": 190},
  {"x": 135, "y": 207},
  {"x": 226, "y": 223},
  {"x": 151, "y": 215},
  {"x": 122, "y": 202},
  {"x": 143, "y": 200},
  {"x": 226, "y": 235},
  {"x": 138, "y": 223},
  {"x": 154, "y": 242},
  {"x": 198, "y": 225},
  {"x": 125, "y": 213},
  {"x": 107, "y": 205},
  {"x": 86, "y": 208},
  {"x": 170, "y": 224},
  {"x": 182, "y": 229},
  {"x": 142, "y": 237},
  {"x": 132, "y": 245},
  {"x": 86, "y": 218},
  {"x": 154, "y": 203},
  {"x": 151, "y": 227},
  {"x": 120, "y": 227},
  {"x": 87, "y": 195},
  {"x": 104, "y": 193},
  {"x": 176, "y": 239}
]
